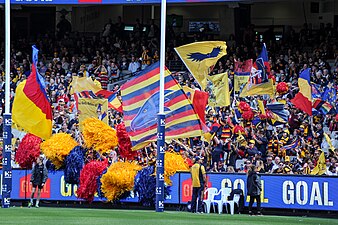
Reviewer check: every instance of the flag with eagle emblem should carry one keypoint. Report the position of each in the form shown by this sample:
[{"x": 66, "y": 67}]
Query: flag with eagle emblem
[{"x": 200, "y": 56}]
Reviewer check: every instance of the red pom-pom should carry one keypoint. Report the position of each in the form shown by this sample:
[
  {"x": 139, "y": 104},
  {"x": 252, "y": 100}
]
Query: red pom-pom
[
  {"x": 248, "y": 115},
  {"x": 28, "y": 151},
  {"x": 282, "y": 88},
  {"x": 336, "y": 118},
  {"x": 243, "y": 106},
  {"x": 124, "y": 142},
  {"x": 88, "y": 179},
  {"x": 238, "y": 129}
]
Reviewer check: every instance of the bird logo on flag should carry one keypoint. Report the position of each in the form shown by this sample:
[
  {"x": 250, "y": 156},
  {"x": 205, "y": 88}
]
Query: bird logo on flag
[
  {"x": 147, "y": 114},
  {"x": 198, "y": 57}
]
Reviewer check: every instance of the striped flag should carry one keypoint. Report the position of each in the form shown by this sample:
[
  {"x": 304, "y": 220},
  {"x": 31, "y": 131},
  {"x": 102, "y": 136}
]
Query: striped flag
[
  {"x": 323, "y": 107},
  {"x": 199, "y": 100},
  {"x": 31, "y": 108},
  {"x": 293, "y": 145},
  {"x": 303, "y": 99},
  {"x": 140, "y": 99}
]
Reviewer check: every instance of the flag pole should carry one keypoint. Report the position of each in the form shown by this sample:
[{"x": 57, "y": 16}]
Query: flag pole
[
  {"x": 7, "y": 134},
  {"x": 161, "y": 118}
]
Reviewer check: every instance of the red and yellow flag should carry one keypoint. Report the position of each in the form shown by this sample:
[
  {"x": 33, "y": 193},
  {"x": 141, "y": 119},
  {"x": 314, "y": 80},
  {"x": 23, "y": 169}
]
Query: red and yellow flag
[{"x": 31, "y": 108}]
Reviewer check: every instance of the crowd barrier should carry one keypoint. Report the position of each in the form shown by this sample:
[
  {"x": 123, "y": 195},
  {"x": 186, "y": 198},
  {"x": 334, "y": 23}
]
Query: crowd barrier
[{"x": 279, "y": 191}]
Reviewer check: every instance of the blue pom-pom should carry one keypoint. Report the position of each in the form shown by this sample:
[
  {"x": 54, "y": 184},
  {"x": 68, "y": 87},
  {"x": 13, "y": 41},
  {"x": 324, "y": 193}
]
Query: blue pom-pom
[
  {"x": 145, "y": 186},
  {"x": 50, "y": 167},
  {"x": 99, "y": 184},
  {"x": 73, "y": 165}
]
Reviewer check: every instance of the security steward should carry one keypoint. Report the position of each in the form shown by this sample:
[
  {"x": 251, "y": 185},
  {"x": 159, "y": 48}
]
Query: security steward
[{"x": 198, "y": 177}]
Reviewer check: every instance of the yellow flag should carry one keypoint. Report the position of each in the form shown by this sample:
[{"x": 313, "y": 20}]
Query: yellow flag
[
  {"x": 320, "y": 169},
  {"x": 93, "y": 108},
  {"x": 200, "y": 56},
  {"x": 221, "y": 94},
  {"x": 329, "y": 142},
  {"x": 266, "y": 88},
  {"x": 80, "y": 84},
  {"x": 261, "y": 106},
  {"x": 239, "y": 80}
]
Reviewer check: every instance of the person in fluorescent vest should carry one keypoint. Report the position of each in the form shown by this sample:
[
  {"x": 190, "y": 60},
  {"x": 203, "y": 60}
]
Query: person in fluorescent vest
[{"x": 198, "y": 177}]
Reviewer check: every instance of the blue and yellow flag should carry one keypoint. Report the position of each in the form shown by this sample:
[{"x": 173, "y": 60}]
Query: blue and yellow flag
[
  {"x": 200, "y": 56},
  {"x": 277, "y": 114},
  {"x": 140, "y": 100}
]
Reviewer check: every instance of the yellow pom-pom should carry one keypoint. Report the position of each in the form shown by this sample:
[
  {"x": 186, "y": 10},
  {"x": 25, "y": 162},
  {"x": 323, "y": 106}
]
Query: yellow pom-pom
[
  {"x": 173, "y": 162},
  {"x": 119, "y": 179},
  {"x": 57, "y": 148},
  {"x": 99, "y": 135}
]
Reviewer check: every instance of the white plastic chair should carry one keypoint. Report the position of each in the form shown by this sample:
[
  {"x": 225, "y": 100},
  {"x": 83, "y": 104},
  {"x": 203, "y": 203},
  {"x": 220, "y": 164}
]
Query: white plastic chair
[
  {"x": 225, "y": 193},
  {"x": 232, "y": 203},
  {"x": 211, "y": 196}
]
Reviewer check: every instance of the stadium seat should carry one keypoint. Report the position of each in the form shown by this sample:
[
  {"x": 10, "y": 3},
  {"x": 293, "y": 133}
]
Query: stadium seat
[
  {"x": 232, "y": 203},
  {"x": 225, "y": 193},
  {"x": 212, "y": 192}
]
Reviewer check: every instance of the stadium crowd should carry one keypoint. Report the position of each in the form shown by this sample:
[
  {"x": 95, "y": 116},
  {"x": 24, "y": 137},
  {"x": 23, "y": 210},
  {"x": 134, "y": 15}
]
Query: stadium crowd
[{"x": 115, "y": 54}]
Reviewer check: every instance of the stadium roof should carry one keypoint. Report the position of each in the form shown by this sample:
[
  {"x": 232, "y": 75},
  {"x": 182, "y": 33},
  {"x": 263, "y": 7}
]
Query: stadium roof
[{"x": 110, "y": 2}]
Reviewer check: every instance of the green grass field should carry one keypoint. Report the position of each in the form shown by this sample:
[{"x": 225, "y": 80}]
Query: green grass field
[{"x": 55, "y": 216}]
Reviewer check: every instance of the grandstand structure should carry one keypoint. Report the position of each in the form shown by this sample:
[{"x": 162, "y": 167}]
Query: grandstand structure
[{"x": 80, "y": 37}]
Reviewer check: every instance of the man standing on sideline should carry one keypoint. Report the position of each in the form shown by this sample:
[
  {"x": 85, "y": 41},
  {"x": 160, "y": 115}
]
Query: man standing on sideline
[
  {"x": 198, "y": 177},
  {"x": 38, "y": 179},
  {"x": 254, "y": 188}
]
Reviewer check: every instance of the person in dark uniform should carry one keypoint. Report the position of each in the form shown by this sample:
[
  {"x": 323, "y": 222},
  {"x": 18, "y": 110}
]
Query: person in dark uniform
[
  {"x": 254, "y": 189},
  {"x": 198, "y": 177},
  {"x": 38, "y": 180}
]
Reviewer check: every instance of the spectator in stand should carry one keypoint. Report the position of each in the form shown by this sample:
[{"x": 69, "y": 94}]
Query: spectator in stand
[
  {"x": 287, "y": 59},
  {"x": 134, "y": 65},
  {"x": 113, "y": 71},
  {"x": 252, "y": 149},
  {"x": 146, "y": 58}
]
